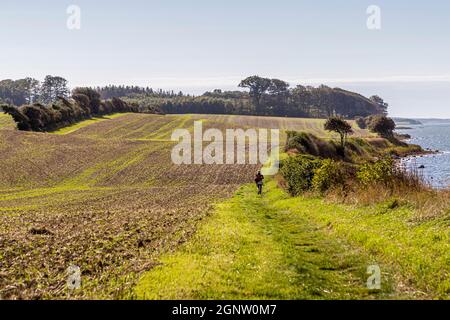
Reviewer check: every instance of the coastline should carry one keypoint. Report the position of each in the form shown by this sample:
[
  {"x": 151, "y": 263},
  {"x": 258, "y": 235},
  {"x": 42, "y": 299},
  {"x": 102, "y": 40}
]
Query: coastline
[{"x": 431, "y": 163}]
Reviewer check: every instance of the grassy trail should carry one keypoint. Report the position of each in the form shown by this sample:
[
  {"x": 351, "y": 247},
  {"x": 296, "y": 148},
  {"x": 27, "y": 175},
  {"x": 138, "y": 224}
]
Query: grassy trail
[{"x": 259, "y": 248}]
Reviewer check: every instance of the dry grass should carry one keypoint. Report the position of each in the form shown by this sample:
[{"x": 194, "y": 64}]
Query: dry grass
[{"x": 406, "y": 189}]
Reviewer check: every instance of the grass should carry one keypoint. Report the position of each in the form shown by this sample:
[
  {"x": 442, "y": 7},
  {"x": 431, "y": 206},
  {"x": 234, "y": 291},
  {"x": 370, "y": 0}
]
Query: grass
[
  {"x": 419, "y": 252},
  {"x": 253, "y": 248},
  {"x": 85, "y": 123},
  {"x": 6, "y": 121},
  {"x": 280, "y": 247}
]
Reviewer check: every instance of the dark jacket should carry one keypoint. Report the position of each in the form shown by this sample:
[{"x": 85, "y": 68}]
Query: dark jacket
[{"x": 259, "y": 178}]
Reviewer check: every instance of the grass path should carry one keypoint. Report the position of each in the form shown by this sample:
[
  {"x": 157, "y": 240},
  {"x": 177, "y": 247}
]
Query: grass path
[{"x": 257, "y": 248}]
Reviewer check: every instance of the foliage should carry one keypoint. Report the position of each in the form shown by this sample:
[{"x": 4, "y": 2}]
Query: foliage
[
  {"x": 380, "y": 171},
  {"x": 29, "y": 90},
  {"x": 52, "y": 88},
  {"x": 340, "y": 126},
  {"x": 258, "y": 87},
  {"x": 267, "y": 97},
  {"x": 63, "y": 112},
  {"x": 298, "y": 172},
  {"x": 309, "y": 144},
  {"x": 330, "y": 174},
  {"x": 382, "y": 125},
  {"x": 381, "y": 103},
  {"x": 361, "y": 122}
]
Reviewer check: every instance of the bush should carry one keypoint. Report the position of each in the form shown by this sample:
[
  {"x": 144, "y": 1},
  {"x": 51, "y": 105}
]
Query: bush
[
  {"x": 381, "y": 171},
  {"x": 298, "y": 172},
  {"x": 361, "y": 122},
  {"x": 329, "y": 175},
  {"x": 309, "y": 144},
  {"x": 64, "y": 112},
  {"x": 302, "y": 142},
  {"x": 93, "y": 96}
]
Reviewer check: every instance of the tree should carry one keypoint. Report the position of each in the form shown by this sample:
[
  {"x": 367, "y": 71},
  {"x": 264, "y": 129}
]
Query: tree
[
  {"x": 381, "y": 103},
  {"x": 382, "y": 125},
  {"x": 258, "y": 86},
  {"x": 340, "y": 126},
  {"x": 19, "y": 92},
  {"x": 32, "y": 89},
  {"x": 324, "y": 97},
  {"x": 52, "y": 88},
  {"x": 278, "y": 87}
]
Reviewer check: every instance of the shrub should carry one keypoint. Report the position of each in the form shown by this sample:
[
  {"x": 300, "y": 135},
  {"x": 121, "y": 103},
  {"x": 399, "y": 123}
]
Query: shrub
[
  {"x": 361, "y": 122},
  {"x": 302, "y": 142},
  {"x": 93, "y": 96},
  {"x": 64, "y": 112},
  {"x": 309, "y": 144},
  {"x": 330, "y": 174},
  {"x": 298, "y": 172},
  {"x": 381, "y": 171}
]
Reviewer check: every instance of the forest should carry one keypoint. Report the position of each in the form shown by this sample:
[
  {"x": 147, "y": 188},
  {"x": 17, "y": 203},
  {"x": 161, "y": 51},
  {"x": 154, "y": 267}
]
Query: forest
[{"x": 50, "y": 104}]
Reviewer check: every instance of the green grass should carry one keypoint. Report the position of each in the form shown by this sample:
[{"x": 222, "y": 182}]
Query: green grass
[
  {"x": 85, "y": 123},
  {"x": 419, "y": 252},
  {"x": 278, "y": 247},
  {"x": 262, "y": 248},
  {"x": 6, "y": 121}
]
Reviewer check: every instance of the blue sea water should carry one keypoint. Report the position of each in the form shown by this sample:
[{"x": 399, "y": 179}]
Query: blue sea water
[{"x": 433, "y": 135}]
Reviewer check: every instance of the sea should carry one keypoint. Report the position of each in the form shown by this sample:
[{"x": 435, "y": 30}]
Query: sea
[{"x": 431, "y": 135}]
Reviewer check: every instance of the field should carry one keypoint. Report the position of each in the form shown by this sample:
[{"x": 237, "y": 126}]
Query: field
[{"x": 104, "y": 195}]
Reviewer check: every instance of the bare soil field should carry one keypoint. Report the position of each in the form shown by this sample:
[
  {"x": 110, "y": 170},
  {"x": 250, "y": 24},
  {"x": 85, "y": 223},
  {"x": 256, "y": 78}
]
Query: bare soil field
[{"x": 106, "y": 198}]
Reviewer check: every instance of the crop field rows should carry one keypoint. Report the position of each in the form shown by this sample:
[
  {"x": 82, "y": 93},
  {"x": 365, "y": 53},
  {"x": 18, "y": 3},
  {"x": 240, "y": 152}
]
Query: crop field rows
[{"x": 105, "y": 197}]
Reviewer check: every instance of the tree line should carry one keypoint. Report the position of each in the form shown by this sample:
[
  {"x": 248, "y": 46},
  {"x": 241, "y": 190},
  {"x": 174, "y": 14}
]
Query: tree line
[
  {"x": 263, "y": 97},
  {"x": 111, "y": 91},
  {"x": 29, "y": 90},
  {"x": 271, "y": 97},
  {"x": 84, "y": 103}
]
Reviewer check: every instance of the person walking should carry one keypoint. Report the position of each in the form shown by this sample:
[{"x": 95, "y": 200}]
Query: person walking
[{"x": 259, "y": 180}]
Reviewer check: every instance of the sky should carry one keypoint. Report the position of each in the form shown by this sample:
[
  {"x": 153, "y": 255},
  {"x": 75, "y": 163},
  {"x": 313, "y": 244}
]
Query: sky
[{"x": 200, "y": 45}]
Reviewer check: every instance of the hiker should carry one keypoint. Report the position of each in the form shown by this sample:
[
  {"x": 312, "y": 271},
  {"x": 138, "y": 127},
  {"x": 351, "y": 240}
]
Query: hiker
[{"x": 259, "y": 180}]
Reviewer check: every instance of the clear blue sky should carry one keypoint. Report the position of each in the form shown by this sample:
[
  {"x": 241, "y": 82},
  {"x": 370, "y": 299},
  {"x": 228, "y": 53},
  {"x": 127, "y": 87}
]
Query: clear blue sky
[{"x": 199, "y": 45}]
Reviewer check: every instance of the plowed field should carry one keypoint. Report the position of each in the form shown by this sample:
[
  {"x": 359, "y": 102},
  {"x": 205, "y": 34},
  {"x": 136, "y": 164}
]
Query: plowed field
[{"x": 106, "y": 197}]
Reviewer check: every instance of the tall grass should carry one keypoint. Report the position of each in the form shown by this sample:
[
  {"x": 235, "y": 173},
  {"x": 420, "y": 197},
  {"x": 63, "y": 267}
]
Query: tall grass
[{"x": 406, "y": 187}]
